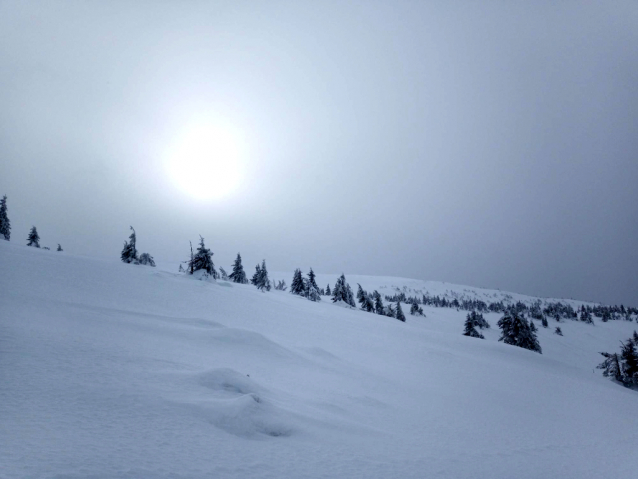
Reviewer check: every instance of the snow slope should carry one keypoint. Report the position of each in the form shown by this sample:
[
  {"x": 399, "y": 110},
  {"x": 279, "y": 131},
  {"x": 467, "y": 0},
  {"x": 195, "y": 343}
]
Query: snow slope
[{"x": 114, "y": 370}]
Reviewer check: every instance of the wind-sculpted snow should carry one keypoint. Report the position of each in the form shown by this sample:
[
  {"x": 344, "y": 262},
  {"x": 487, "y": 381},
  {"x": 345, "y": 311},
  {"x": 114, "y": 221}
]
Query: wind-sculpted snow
[{"x": 110, "y": 370}]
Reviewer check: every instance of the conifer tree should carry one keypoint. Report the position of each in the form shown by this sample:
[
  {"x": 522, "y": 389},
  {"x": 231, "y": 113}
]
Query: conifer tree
[
  {"x": 515, "y": 330},
  {"x": 611, "y": 366},
  {"x": 129, "y": 252},
  {"x": 261, "y": 280},
  {"x": 558, "y": 331},
  {"x": 147, "y": 259},
  {"x": 544, "y": 321},
  {"x": 224, "y": 276},
  {"x": 238, "y": 275},
  {"x": 470, "y": 329},
  {"x": 414, "y": 309},
  {"x": 399, "y": 312},
  {"x": 297, "y": 286},
  {"x": 629, "y": 358},
  {"x": 255, "y": 279},
  {"x": 311, "y": 279},
  {"x": 33, "y": 238},
  {"x": 5, "y": 224},
  {"x": 328, "y": 292},
  {"x": 203, "y": 259},
  {"x": 378, "y": 303},
  {"x": 59, "y": 248},
  {"x": 361, "y": 295}
]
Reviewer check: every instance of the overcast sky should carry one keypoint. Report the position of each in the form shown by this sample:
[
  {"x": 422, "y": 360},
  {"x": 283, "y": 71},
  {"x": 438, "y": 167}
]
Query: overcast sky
[{"x": 492, "y": 144}]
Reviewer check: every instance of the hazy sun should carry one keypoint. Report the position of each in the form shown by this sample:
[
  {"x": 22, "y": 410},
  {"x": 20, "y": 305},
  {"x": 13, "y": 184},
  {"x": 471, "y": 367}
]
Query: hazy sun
[{"x": 205, "y": 162}]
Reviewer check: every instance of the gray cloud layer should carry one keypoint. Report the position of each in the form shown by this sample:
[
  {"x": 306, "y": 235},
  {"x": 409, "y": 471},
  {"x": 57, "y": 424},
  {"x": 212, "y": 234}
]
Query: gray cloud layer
[{"x": 487, "y": 143}]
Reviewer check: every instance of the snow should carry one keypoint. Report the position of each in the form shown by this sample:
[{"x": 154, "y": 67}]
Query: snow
[{"x": 116, "y": 370}]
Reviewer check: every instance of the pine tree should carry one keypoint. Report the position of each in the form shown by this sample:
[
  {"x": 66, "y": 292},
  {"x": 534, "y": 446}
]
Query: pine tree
[
  {"x": 59, "y": 248},
  {"x": 611, "y": 366},
  {"x": 311, "y": 279},
  {"x": 470, "y": 329},
  {"x": 361, "y": 295},
  {"x": 203, "y": 259},
  {"x": 558, "y": 331},
  {"x": 328, "y": 292},
  {"x": 129, "y": 252},
  {"x": 238, "y": 275},
  {"x": 544, "y": 321},
  {"x": 378, "y": 303},
  {"x": 147, "y": 259},
  {"x": 262, "y": 281},
  {"x": 629, "y": 358},
  {"x": 515, "y": 330},
  {"x": 532, "y": 326},
  {"x": 34, "y": 238},
  {"x": 414, "y": 309},
  {"x": 222, "y": 271},
  {"x": 399, "y": 312},
  {"x": 5, "y": 224},
  {"x": 255, "y": 279},
  {"x": 297, "y": 286}
]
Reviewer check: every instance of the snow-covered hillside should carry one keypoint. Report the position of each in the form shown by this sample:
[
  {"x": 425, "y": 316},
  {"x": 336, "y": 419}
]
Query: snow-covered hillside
[{"x": 115, "y": 370}]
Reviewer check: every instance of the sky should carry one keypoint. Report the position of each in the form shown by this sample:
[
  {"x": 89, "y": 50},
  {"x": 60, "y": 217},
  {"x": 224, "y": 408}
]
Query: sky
[{"x": 492, "y": 144}]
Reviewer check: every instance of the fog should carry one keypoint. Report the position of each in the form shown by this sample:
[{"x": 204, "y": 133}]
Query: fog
[{"x": 492, "y": 144}]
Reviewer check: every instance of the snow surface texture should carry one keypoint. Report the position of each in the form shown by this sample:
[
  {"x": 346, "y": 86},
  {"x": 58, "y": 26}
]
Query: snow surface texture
[{"x": 116, "y": 370}]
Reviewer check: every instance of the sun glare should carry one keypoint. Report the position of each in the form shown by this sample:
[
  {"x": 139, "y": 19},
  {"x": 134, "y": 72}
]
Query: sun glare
[{"x": 205, "y": 162}]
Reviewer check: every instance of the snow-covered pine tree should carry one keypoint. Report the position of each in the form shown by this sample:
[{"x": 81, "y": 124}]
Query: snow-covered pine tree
[
  {"x": 629, "y": 358},
  {"x": 59, "y": 248},
  {"x": 147, "y": 260},
  {"x": 222, "y": 271},
  {"x": 368, "y": 304},
  {"x": 263, "y": 282},
  {"x": 350, "y": 296},
  {"x": 238, "y": 275},
  {"x": 312, "y": 280},
  {"x": 611, "y": 366},
  {"x": 390, "y": 311},
  {"x": 33, "y": 238},
  {"x": 361, "y": 295},
  {"x": 129, "y": 252},
  {"x": 532, "y": 326},
  {"x": 399, "y": 312},
  {"x": 558, "y": 331},
  {"x": 515, "y": 330},
  {"x": 544, "y": 321},
  {"x": 328, "y": 292},
  {"x": 378, "y": 303},
  {"x": 297, "y": 286},
  {"x": 255, "y": 279},
  {"x": 5, "y": 224},
  {"x": 470, "y": 329},
  {"x": 414, "y": 309},
  {"x": 203, "y": 259}
]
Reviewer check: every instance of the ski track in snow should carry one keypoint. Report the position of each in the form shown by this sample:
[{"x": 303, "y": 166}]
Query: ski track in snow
[{"x": 113, "y": 370}]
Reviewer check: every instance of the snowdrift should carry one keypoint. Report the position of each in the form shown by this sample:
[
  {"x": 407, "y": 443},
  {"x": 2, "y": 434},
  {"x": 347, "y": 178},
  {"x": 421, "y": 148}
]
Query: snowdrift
[{"x": 116, "y": 370}]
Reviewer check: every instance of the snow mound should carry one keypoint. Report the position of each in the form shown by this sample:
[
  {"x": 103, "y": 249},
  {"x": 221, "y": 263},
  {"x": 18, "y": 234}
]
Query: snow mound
[{"x": 236, "y": 405}]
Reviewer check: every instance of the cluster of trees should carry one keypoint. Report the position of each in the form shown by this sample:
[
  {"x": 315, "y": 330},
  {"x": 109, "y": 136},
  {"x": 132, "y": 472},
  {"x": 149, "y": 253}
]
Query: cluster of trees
[
  {"x": 129, "y": 252},
  {"x": 537, "y": 310},
  {"x": 33, "y": 239},
  {"x": 306, "y": 287},
  {"x": 475, "y": 320},
  {"x": 622, "y": 367},
  {"x": 518, "y": 331},
  {"x": 373, "y": 303}
]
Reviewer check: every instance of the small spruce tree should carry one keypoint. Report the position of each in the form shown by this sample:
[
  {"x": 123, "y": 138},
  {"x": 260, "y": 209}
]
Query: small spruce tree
[
  {"x": 59, "y": 248},
  {"x": 470, "y": 328},
  {"x": 328, "y": 292},
  {"x": 238, "y": 275},
  {"x": 558, "y": 331},
  {"x": 5, "y": 224},
  {"x": 33, "y": 238},
  {"x": 203, "y": 259},
  {"x": 515, "y": 330},
  {"x": 399, "y": 312},
  {"x": 129, "y": 252},
  {"x": 223, "y": 274},
  {"x": 297, "y": 286},
  {"x": 147, "y": 260}
]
